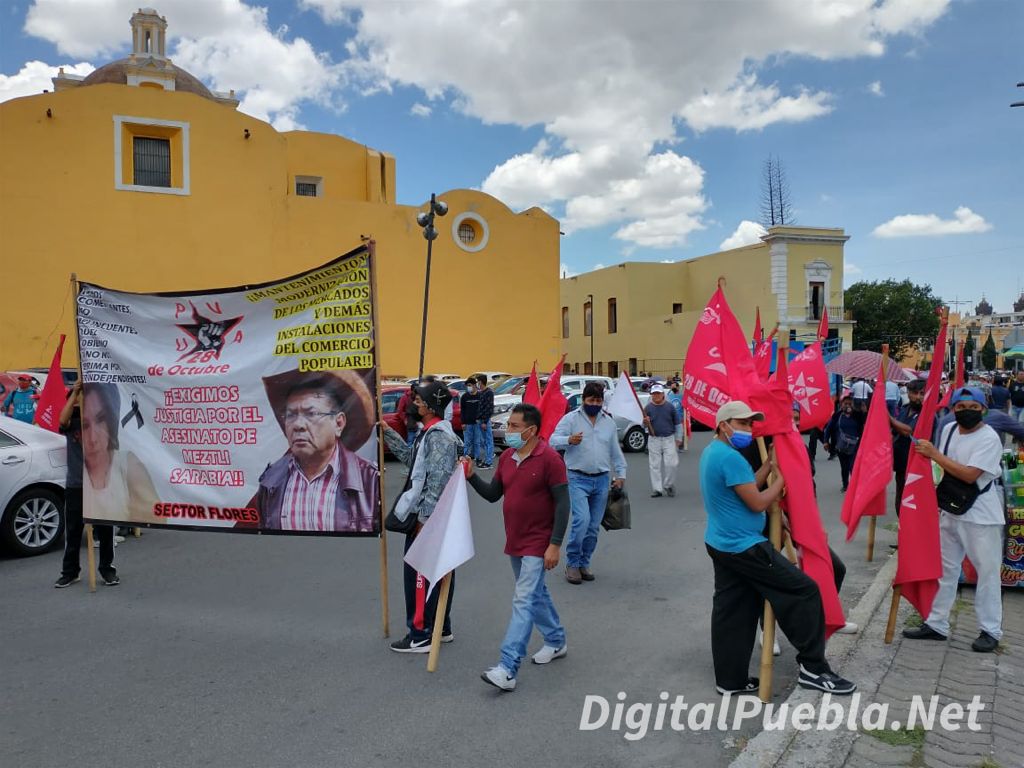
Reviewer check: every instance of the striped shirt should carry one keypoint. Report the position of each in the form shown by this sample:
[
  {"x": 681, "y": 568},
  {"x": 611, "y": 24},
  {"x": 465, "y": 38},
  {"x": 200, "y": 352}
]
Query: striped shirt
[{"x": 308, "y": 505}]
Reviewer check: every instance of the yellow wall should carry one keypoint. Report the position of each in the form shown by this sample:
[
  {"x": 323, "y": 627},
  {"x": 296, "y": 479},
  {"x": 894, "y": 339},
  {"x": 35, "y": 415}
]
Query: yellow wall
[
  {"x": 645, "y": 293},
  {"x": 60, "y": 213}
]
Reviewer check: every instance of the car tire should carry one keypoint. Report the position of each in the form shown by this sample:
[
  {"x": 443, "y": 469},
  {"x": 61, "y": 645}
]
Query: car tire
[
  {"x": 33, "y": 522},
  {"x": 635, "y": 440}
]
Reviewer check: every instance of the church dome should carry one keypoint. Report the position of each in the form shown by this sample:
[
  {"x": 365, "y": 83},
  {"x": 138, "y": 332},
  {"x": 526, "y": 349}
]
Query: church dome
[{"x": 117, "y": 72}]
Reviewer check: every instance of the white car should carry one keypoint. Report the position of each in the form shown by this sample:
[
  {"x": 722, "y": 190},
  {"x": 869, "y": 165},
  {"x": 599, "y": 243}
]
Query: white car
[{"x": 33, "y": 469}]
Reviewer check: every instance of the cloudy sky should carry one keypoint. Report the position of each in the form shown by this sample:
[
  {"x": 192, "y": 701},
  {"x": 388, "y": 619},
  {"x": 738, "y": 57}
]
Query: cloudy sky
[{"x": 641, "y": 125}]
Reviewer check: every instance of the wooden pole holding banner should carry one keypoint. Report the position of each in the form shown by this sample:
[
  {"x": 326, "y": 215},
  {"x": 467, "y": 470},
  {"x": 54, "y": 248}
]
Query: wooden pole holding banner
[
  {"x": 894, "y": 607},
  {"x": 371, "y": 250},
  {"x": 90, "y": 556},
  {"x": 873, "y": 522},
  {"x": 764, "y": 691},
  {"x": 442, "y": 607}
]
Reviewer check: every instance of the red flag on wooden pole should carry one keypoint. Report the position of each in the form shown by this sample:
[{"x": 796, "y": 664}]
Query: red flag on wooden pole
[
  {"x": 958, "y": 379},
  {"x": 54, "y": 395},
  {"x": 532, "y": 393},
  {"x": 808, "y": 383},
  {"x": 823, "y": 323},
  {"x": 758, "y": 330},
  {"x": 552, "y": 402}
]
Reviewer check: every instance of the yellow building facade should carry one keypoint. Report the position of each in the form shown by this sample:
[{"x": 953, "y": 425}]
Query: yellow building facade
[
  {"x": 643, "y": 314},
  {"x": 139, "y": 178}
]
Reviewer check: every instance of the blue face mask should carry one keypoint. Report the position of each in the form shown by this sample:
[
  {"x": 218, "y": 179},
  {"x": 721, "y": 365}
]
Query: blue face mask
[
  {"x": 740, "y": 440},
  {"x": 592, "y": 410},
  {"x": 514, "y": 440}
]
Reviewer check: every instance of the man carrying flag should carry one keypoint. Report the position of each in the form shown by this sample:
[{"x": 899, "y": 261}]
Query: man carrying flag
[
  {"x": 531, "y": 476},
  {"x": 748, "y": 569}
]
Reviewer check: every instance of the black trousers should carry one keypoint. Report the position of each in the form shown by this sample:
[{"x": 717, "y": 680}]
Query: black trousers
[
  {"x": 846, "y": 467},
  {"x": 743, "y": 581},
  {"x": 73, "y": 529},
  {"x": 812, "y": 444},
  {"x": 419, "y": 611}
]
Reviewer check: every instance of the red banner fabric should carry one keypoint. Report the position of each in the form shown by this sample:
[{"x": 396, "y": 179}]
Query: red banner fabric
[
  {"x": 532, "y": 394},
  {"x": 552, "y": 402},
  {"x": 808, "y": 383},
  {"x": 53, "y": 396}
]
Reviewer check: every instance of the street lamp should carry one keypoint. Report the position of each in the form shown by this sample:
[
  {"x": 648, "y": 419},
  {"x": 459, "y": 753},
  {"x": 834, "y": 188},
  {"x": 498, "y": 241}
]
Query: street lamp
[
  {"x": 590, "y": 298},
  {"x": 426, "y": 220}
]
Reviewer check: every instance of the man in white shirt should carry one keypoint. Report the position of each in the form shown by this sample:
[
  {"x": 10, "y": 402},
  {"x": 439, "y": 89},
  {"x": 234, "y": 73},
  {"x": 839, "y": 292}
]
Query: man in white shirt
[
  {"x": 970, "y": 451},
  {"x": 861, "y": 391}
]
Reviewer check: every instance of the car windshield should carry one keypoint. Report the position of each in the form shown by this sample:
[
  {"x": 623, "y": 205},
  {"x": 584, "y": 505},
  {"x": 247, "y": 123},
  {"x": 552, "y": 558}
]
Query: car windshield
[
  {"x": 509, "y": 385},
  {"x": 389, "y": 402}
]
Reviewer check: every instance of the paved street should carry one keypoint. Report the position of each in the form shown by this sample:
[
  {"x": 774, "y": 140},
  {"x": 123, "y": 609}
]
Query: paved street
[{"x": 232, "y": 650}]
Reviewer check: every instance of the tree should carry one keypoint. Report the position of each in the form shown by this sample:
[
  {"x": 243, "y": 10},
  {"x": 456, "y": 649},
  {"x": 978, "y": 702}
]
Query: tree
[
  {"x": 969, "y": 353},
  {"x": 776, "y": 207},
  {"x": 988, "y": 353},
  {"x": 898, "y": 313}
]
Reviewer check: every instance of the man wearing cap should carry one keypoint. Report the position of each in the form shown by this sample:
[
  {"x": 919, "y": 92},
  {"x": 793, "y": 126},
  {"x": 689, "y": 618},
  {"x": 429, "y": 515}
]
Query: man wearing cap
[
  {"x": 23, "y": 400},
  {"x": 665, "y": 438},
  {"x": 969, "y": 451},
  {"x": 748, "y": 569},
  {"x": 320, "y": 484},
  {"x": 431, "y": 461}
]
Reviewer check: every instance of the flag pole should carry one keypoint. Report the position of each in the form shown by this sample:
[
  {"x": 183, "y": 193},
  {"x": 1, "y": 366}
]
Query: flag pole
[
  {"x": 873, "y": 522},
  {"x": 435, "y": 638},
  {"x": 775, "y": 536},
  {"x": 385, "y": 615}
]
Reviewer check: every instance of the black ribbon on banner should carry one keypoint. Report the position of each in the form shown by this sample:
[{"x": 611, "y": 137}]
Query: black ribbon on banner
[{"x": 133, "y": 412}]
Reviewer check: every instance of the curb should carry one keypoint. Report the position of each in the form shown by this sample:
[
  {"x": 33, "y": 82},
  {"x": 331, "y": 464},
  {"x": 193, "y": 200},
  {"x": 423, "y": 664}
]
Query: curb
[{"x": 863, "y": 658}]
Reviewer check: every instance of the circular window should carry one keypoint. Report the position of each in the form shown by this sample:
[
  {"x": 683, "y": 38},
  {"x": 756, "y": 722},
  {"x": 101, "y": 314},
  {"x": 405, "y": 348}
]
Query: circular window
[{"x": 470, "y": 232}]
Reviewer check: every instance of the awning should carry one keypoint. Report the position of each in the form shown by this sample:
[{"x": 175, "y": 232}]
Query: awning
[{"x": 1014, "y": 352}]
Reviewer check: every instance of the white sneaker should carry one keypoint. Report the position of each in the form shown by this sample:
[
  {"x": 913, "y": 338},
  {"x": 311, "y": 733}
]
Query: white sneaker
[
  {"x": 849, "y": 628},
  {"x": 118, "y": 540},
  {"x": 776, "y": 650},
  {"x": 549, "y": 653},
  {"x": 499, "y": 677}
]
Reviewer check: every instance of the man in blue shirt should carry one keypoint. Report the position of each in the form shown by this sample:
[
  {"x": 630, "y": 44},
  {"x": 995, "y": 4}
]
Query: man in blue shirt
[
  {"x": 592, "y": 452},
  {"x": 748, "y": 569},
  {"x": 23, "y": 400}
]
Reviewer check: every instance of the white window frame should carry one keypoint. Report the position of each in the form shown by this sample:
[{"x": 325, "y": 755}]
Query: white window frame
[
  {"x": 186, "y": 181},
  {"x": 318, "y": 180},
  {"x": 485, "y": 232}
]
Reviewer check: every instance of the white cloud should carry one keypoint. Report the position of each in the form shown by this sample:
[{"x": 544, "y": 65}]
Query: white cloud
[
  {"x": 747, "y": 233},
  {"x": 564, "y": 271},
  {"x": 420, "y": 110},
  {"x": 875, "y": 88},
  {"x": 611, "y": 84},
  {"x": 964, "y": 221},
  {"x": 227, "y": 43},
  {"x": 34, "y": 77},
  {"x": 849, "y": 268}
]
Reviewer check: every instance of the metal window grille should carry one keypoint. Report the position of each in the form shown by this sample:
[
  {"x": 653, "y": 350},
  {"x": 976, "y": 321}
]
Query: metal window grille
[
  {"x": 152, "y": 162},
  {"x": 306, "y": 188},
  {"x": 467, "y": 233}
]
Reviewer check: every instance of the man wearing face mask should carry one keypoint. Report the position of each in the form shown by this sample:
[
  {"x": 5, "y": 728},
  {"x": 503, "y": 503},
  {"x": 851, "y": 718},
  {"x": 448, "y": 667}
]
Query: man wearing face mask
[
  {"x": 902, "y": 429},
  {"x": 843, "y": 433},
  {"x": 969, "y": 451},
  {"x": 592, "y": 452},
  {"x": 531, "y": 476},
  {"x": 748, "y": 569}
]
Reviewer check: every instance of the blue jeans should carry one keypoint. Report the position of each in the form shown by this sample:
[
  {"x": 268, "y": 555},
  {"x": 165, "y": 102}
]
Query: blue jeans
[
  {"x": 531, "y": 607},
  {"x": 471, "y": 440},
  {"x": 588, "y": 496},
  {"x": 1017, "y": 413},
  {"x": 486, "y": 441}
]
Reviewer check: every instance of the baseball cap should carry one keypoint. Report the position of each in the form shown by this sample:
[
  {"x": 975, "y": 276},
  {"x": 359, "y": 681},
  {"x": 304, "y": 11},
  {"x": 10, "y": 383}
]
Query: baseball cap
[
  {"x": 24, "y": 378},
  {"x": 657, "y": 388},
  {"x": 737, "y": 409},
  {"x": 968, "y": 394}
]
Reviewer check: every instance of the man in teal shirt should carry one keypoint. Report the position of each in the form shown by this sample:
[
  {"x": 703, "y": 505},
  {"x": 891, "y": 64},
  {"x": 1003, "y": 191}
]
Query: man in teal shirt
[
  {"x": 23, "y": 400},
  {"x": 748, "y": 569}
]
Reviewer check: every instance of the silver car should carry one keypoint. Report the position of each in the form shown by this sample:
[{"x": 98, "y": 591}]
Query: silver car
[{"x": 33, "y": 470}]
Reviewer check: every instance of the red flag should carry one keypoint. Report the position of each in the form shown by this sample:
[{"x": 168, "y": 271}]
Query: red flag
[
  {"x": 823, "y": 323},
  {"x": 873, "y": 468},
  {"x": 758, "y": 330},
  {"x": 919, "y": 563},
  {"x": 532, "y": 393},
  {"x": 763, "y": 355},
  {"x": 958, "y": 380},
  {"x": 53, "y": 396},
  {"x": 552, "y": 402},
  {"x": 808, "y": 383}
]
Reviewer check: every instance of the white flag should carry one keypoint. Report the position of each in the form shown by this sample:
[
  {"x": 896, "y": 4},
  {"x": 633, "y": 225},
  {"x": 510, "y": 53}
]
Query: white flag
[
  {"x": 623, "y": 401},
  {"x": 446, "y": 540}
]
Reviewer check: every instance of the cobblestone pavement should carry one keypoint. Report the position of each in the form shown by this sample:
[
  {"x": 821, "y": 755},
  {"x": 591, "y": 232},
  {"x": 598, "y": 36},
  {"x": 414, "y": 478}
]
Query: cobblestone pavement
[{"x": 955, "y": 673}]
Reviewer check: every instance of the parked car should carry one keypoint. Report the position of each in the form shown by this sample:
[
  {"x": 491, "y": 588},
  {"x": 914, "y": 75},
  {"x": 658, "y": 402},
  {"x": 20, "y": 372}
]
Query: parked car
[
  {"x": 33, "y": 470},
  {"x": 493, "y": 376}
]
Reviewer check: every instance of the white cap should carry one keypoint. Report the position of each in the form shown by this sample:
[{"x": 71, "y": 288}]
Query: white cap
[
  {"x": 737, "y": 409},
  {"x": 657, "y": 388}
]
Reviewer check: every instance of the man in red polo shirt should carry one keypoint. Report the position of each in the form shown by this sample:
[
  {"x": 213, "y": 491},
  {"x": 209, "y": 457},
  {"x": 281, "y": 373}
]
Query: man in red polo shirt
[{"x": 532, "y": 478}]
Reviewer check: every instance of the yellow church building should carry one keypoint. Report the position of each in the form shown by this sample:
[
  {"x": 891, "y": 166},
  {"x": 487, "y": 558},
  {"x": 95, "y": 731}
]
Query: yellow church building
[
  {"x": 140, "y": 178},
  {"x": 640, "y": 316}
]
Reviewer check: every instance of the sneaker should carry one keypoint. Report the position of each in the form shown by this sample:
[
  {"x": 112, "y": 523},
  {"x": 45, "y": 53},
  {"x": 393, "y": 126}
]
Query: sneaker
[
  {"x": 656, "y": 495},
  {"x": 408, "y": 645},
  {"x": 549, "y": 653},
  {"x": 448, "y": 637},
  {"x": 776, "y": 650},
  {"x": 586, "y": 574},
  {"x": 924, "y": 632},
  {"x": 110, "y": 579},
  {"x": 486, "y": 465},
  {"x": 829, "y": 682},
  {"x": 118, "y": 539},
  {"x": 66, "y": 581},
  {"x": 849, "y": 628},
  {"x": 499, "y": 677},
  {"x": 751, "y": 687},
  {"x": 985, "y": 643},
  {"x": 670, "y": 491}
]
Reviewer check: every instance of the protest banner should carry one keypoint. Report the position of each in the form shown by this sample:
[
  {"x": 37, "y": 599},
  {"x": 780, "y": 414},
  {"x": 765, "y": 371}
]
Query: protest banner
[{"x": 246, "y": 409}]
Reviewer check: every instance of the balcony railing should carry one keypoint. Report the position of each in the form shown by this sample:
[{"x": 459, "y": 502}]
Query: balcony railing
[{"x": 834, "y": 313}]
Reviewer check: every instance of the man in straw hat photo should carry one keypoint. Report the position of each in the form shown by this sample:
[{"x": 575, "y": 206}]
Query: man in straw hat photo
[{"x": 320, "y": 484}]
